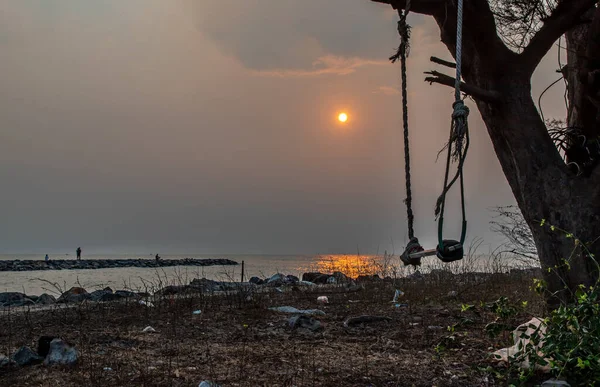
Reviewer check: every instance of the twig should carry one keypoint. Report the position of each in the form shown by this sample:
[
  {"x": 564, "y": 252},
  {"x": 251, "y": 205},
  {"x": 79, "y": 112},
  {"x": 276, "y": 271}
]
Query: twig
[{"x": 474, "y": 91}]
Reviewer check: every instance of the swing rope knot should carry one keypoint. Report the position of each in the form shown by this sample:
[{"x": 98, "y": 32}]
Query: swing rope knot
[{"x": 460, "y": 110}]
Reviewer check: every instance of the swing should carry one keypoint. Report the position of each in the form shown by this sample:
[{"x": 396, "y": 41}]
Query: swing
[{"x": 447, "y": 250}]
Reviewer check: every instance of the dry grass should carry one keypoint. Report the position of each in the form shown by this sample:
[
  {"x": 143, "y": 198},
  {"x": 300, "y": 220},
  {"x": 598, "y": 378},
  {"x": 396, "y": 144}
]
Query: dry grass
[{"x": 237, "y": 341}]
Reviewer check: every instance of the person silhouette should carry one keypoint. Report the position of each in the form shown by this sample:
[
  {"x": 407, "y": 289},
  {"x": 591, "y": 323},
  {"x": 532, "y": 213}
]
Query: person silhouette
[
  {"x": 79, "y": 253},
  {"x": 47, "y": 258}
]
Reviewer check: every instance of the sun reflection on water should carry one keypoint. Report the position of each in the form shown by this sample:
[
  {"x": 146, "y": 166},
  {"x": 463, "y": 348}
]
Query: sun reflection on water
[{"x": 351, "y": 265}]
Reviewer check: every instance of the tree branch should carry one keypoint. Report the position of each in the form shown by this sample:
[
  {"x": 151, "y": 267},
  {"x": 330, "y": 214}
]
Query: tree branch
[
  {"x": 564, "y": 16},
  {"x": 474, "y": 91},
  {"x": 442, "y": 62},
  {"x": 425, "y": 7}
]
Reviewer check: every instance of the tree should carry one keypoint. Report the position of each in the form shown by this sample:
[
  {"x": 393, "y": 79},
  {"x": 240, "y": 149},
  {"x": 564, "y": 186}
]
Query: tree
[{"x": 553, "y": 174}]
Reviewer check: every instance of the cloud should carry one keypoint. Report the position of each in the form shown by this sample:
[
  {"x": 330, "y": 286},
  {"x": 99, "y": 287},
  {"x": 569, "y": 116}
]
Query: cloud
[
  {"x": 325, "y": 65},
  {"x": 386, "y": 90}
]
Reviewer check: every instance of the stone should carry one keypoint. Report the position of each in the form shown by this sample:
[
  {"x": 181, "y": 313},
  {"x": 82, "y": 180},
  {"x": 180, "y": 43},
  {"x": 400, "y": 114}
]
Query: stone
[
  {"x": 331, "y": 280},
  {"x": 555, "y": 383},
  {"x": 61, "y": 353},
  {"x": 126, "y": 294},
  {"x": 25, "y": 356},
  {"x": 292, "y": 310},
  {"x": 10, "y": 298},
  {"x": 310, "y": 277},
  {"x": 340, "y": 277},
  {"x": 4, "y": 361},
  {"x": 206, "y": 285},
  {"x": 103, "y": 295},
  {"x": 369, "y": 278},
  {"x": 75, "y": 294},
  {"x": 44, "y": 345},
  {"x": 46, "y": 299},
  {"x": 302, "y": 321},
  {"x": 292, "y": 278},
  {"x": 277, "y": 279},
  {"x": 256, "y": 281},
  {"x": 322, "y": 279}
]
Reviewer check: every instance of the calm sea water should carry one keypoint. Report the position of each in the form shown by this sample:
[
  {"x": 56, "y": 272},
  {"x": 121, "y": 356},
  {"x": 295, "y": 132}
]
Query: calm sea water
[{"x": 151, "y": 279}]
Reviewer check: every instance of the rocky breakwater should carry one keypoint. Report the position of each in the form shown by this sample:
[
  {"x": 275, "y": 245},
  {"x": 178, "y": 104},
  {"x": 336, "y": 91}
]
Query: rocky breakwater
[{"x": 71, "y": 264}]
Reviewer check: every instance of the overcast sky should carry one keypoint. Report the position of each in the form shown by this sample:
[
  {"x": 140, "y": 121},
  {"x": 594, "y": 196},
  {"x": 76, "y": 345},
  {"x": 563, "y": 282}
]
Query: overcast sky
[{"x": 210, "y": 127}]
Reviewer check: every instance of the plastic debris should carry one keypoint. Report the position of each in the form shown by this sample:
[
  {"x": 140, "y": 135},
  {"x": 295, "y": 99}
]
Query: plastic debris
[
  {"x": 323, "y": 299},
  {"x": 147, "y": 303},
  {"x": 400, "y": 305},
  {"x": 148, "y": 329},
  {"x": 399, "y": 293},
  {"x": 292, "y": 310},
  {"x": 197, "y": 311},
  {"x": 107, "y": 369}
]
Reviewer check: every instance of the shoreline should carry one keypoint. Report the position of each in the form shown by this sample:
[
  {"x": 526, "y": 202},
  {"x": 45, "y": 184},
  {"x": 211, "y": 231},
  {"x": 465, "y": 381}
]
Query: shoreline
[{"x": 92, "y": 264}]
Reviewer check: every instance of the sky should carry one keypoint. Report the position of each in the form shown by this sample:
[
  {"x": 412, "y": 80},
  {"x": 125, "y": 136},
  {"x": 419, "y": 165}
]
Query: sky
[{"x": 210, "y": 127}]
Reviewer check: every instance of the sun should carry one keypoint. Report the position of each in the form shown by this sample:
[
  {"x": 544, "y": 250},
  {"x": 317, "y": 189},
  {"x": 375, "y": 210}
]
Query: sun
[{"x": 342, "y": 117}]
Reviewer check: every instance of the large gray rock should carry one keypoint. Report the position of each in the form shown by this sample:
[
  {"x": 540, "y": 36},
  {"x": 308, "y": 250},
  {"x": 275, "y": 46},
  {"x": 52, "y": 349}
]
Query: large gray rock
[
  {"x": 75, "y": 294},
  {"x": 11, "y": 298},
  {"x": 277, "y": 279},
  {"x": 61, "y": 353},
  {"x": 126, "y": 294},
  {"x": 46, "y": 299},
  {"x": 103, "y": 295},
  {"x": 302, "y": 321},
  {"x": 256, "y": 281},
  {"x": 25, "y": 356}
]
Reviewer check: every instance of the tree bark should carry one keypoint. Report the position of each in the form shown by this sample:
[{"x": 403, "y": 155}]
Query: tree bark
[{"x": 544, "y": 187}]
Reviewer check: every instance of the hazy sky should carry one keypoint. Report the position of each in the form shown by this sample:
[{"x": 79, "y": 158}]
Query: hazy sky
[{"x": 209, "y": 126}]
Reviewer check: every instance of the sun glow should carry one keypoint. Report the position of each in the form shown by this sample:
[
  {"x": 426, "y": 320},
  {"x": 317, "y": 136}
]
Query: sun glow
[{"x": 342, "y": 117}]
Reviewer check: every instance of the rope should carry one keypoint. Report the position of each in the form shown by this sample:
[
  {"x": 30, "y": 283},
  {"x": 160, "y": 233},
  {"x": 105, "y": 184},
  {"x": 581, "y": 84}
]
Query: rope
[
  {"x": 458, "y": 143},
  {"x": 402, "y": 53}
]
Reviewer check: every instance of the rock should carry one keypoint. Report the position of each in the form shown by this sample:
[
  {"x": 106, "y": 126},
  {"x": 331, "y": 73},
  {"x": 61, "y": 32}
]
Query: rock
[
  {"x": 292, "y": 310},
  {"x": 206, "y": 285},
  {"x": 302, "y": 321},
  {"x": 331, "y": 280},
  {"x": 61, "y": 353},
  {"x": 46, "y": 299},
  {"x": 126, "y": 294},
  {"x": 10, "y": 298},
  {"x": 340, "y": 277},
  {"x": 555, "y": 383},
  {"x": 368, "y": 278},
  {"x": 44, "y": 345},
  {"x": 75, "y": 294},
  {"x": 103, "y": 295},
  {"x": 306, "y": 283},
  {"x": 277, "y": 280},
  {"x": 353, "y": 321},
  {"x": 256, "y": 281},
  {"x": 25, "y": 356},
  {"x": 310, "y": 277},
  {"x": 416, "y": 276},
  {"x": 292, "y": 278},
  {"x": 322, "y": 279},
  {"x": 4, "y": 361}
]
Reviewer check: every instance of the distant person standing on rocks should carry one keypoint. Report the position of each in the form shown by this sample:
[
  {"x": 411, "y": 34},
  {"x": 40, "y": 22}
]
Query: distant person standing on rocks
[
  {"x": 47, "y": 258},
  {"x": 79, "y": 253},
  {"x": 157, "y": 258}
]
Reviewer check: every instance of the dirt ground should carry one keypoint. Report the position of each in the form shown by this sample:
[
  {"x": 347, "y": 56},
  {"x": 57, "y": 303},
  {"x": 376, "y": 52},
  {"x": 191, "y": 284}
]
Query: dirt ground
[{"x": 237, "y": 341}]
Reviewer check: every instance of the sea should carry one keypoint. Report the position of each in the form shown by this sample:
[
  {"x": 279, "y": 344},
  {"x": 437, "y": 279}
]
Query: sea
[{"x": 262, "y": 266}]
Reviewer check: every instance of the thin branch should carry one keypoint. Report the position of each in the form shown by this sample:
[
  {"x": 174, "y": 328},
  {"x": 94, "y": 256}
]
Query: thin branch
[
  {"x": 442, "y": 62},
  {"x": 565, "y": 15},
  {"x": 425, "y": 7},
  {"x": 474, "y": 91}
]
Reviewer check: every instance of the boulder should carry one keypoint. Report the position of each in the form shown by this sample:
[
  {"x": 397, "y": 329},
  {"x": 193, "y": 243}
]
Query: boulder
[
  {"x": 292, "y": 278},
  {"x": 75, "y": 294},
  {"x": 172, "y": 289},
  {"x": 256, "y": 281},
  {"x": 61, "y": 353},
  {"x": 46, "y": 299},
  {"x": 44, "y": 345},
  {"x": 277, "y": 279},
  {"x": 302, "y": 321},
  {"x": 332, "y": 280},
  {"x": 322, "y": 279},
  {"x": 340, "y": 277},
  {"x": 10, "y": 298},
  {"x": 369, "y": 278},
  {"x": 126, "y": 294},
  {"x": 206, "y": 285},
  {"x": 25, "y": 356},
  {"x": 310, "y": 277}
]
